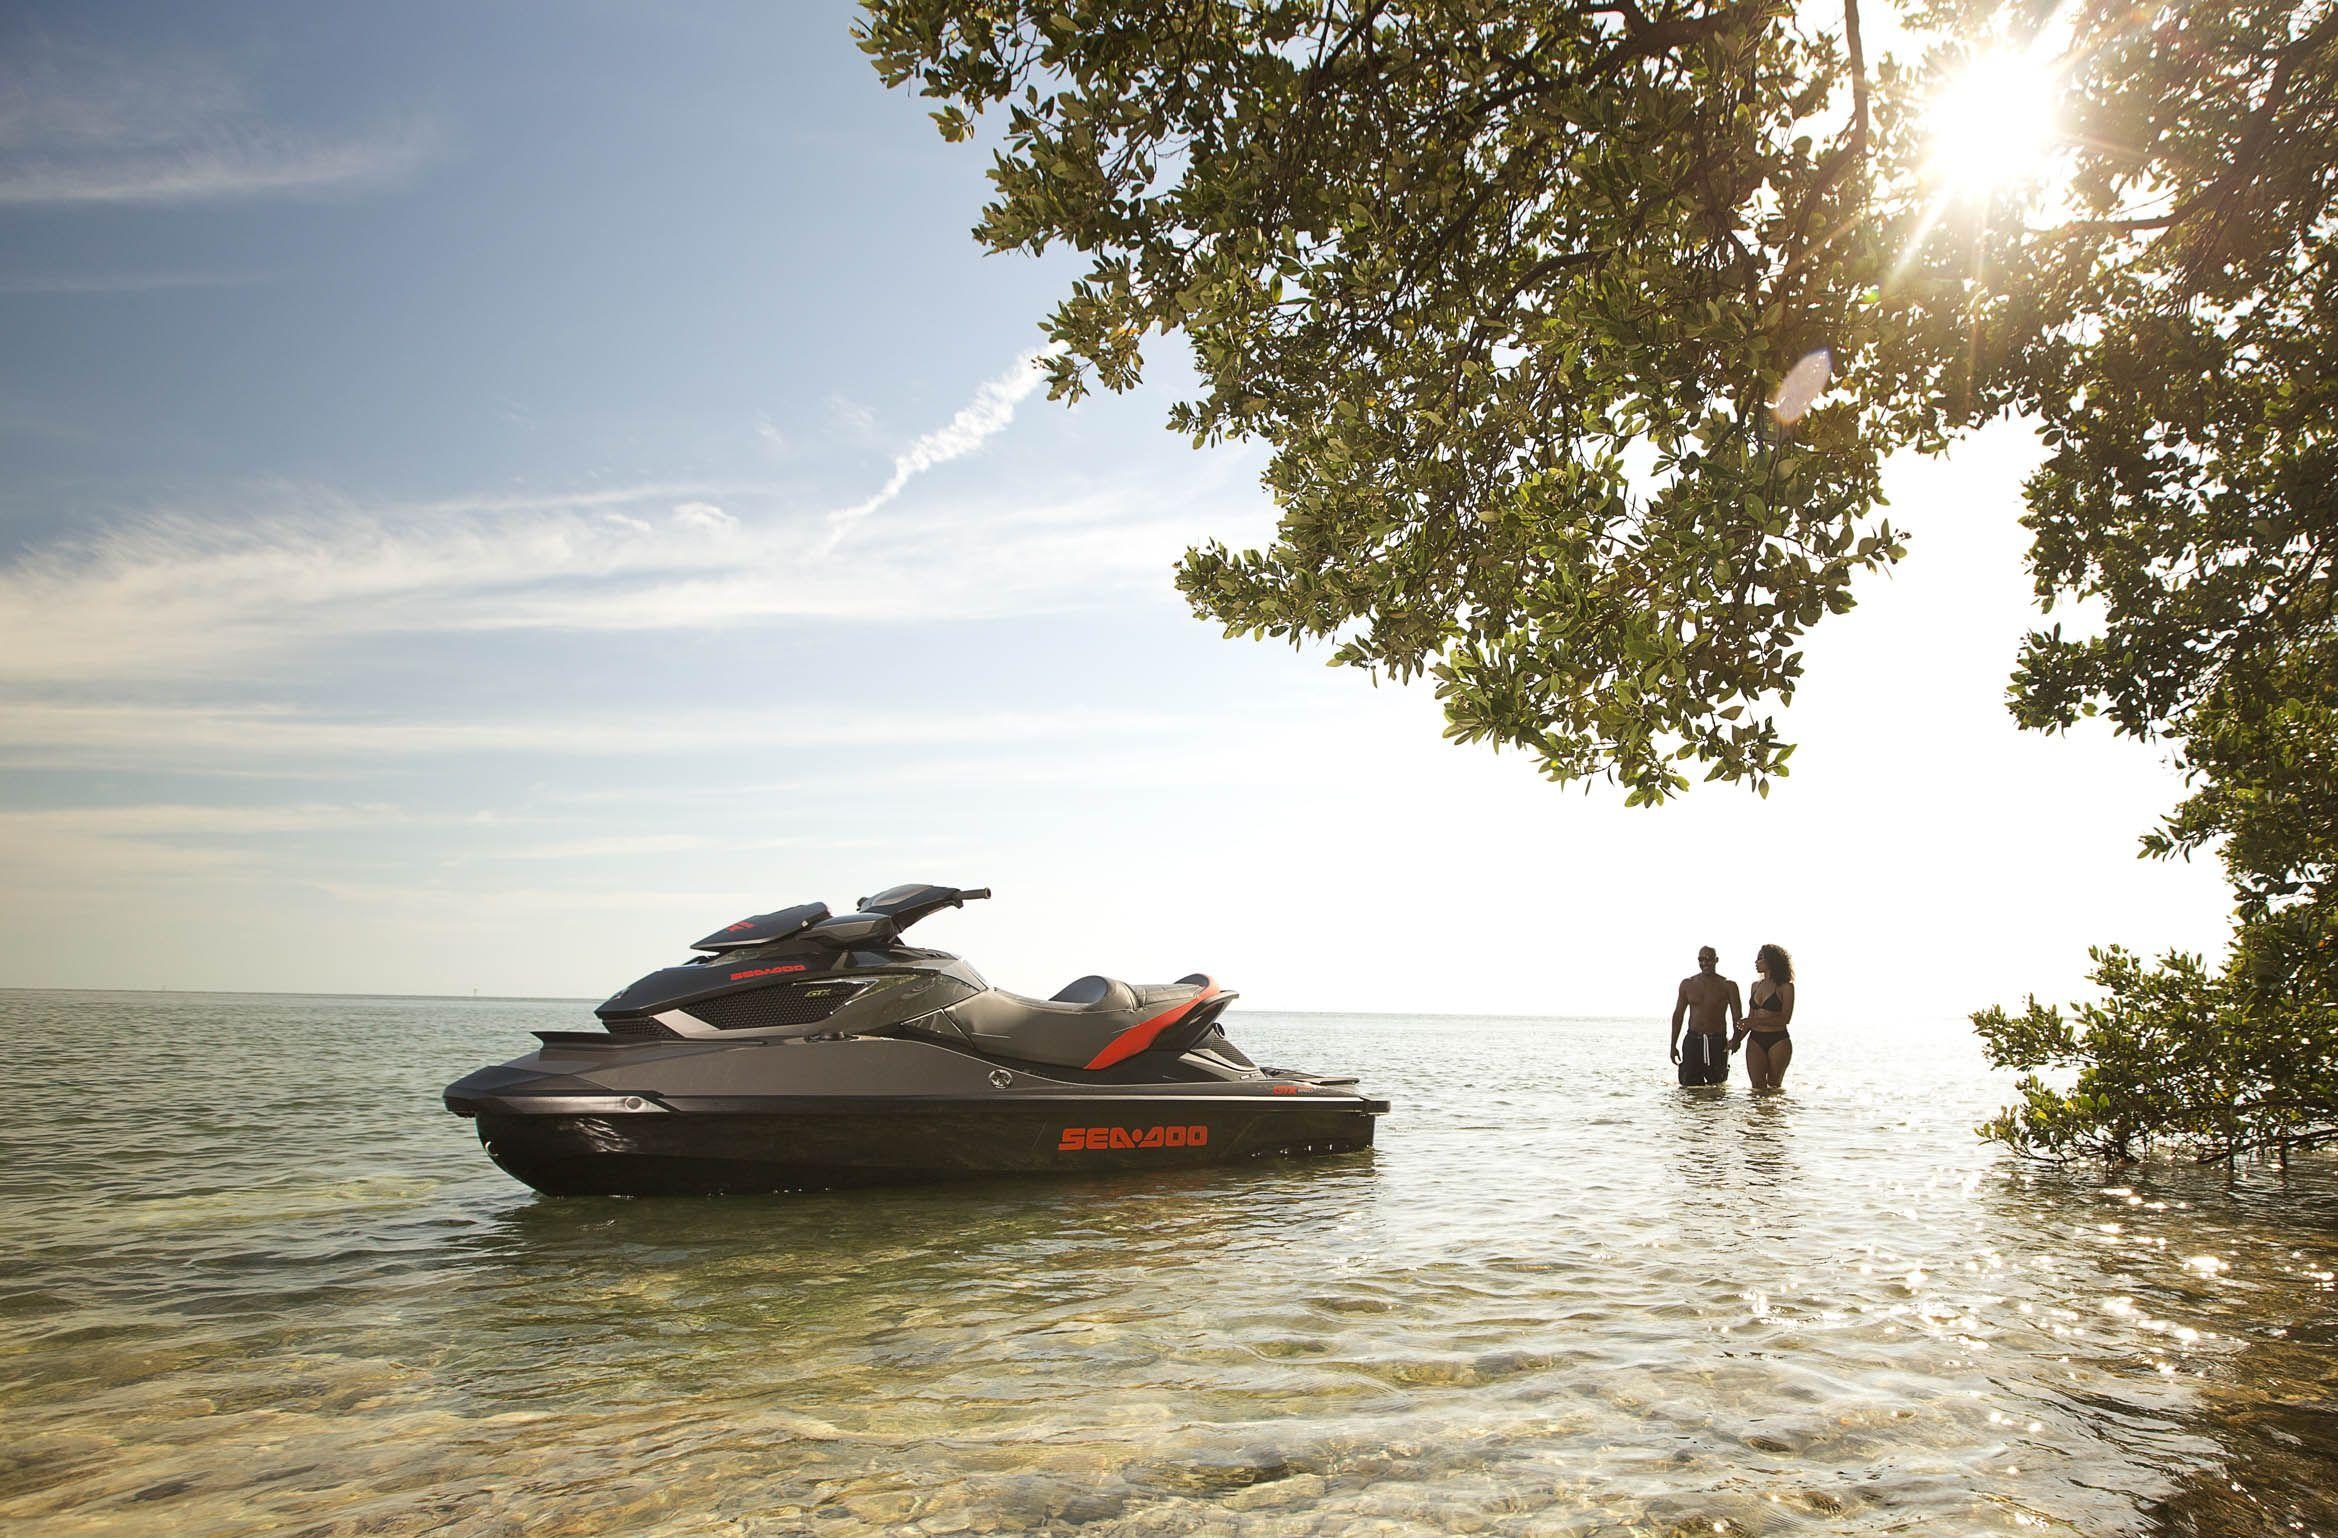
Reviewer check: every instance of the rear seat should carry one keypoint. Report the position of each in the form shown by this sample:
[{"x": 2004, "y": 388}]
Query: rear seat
[{"x": 1083, "y": 1020}]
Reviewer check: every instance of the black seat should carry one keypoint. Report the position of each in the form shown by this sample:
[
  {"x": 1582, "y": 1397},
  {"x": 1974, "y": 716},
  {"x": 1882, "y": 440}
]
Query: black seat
[
  {"x": 1086, "y": 1020},
  {"x": 1094, "y": 991}
]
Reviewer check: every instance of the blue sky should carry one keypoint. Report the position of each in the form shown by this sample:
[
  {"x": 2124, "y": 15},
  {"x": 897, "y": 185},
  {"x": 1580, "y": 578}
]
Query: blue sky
[{"x": 490, "y": 494}]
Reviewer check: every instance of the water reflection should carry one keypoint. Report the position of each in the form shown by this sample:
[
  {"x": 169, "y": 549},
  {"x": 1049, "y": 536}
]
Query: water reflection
[
  {"x": 1563, "y": 1296},
  {"x": 1767, "y": 1142}
]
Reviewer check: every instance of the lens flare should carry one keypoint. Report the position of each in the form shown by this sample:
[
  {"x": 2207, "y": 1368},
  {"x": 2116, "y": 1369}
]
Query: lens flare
[{"x": 1802, "y": 386}]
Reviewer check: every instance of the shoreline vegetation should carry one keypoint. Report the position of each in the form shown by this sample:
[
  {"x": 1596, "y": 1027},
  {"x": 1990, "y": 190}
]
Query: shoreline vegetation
[
  {"x": 2171, "y": 1057},
  {"x": 1578, "y": 338}
]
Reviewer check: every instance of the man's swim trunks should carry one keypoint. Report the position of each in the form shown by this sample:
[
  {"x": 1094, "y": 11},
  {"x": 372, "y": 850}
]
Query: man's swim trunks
[{"x": 1704, "y": 1057}]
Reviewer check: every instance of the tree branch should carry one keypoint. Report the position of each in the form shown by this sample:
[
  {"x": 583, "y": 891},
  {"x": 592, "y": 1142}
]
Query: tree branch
[
  {"x": 2247, "y": 158},
  {"x": 1851, "y": 45}
]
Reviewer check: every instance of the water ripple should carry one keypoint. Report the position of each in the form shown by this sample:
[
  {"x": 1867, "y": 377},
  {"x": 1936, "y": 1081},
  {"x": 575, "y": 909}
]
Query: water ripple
[{"x": 256, "y": 1279}]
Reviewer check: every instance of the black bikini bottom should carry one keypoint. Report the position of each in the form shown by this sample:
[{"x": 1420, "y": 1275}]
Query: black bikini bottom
[{"x": 1769, "y": 1039}]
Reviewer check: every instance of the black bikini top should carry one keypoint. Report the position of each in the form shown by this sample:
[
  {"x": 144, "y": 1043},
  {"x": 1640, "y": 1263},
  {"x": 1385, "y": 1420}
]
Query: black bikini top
[{"x": 1753, "y": 1003}]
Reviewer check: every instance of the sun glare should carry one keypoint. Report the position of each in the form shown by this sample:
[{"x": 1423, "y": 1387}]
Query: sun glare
[{"x": 1994, "y": 125}]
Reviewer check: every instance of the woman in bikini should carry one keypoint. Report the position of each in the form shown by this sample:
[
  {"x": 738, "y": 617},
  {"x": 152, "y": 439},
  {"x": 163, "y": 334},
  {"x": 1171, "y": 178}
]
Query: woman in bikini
[{"x": 1769, "y": 1002}]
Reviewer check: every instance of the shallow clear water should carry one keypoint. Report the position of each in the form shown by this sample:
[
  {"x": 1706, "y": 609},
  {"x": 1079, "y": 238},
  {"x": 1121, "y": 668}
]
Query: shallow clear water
[{"x": 253, "y": 1278}]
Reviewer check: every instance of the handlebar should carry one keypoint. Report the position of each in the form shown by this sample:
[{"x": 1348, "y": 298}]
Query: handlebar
[{"x": 972, "y": 893}]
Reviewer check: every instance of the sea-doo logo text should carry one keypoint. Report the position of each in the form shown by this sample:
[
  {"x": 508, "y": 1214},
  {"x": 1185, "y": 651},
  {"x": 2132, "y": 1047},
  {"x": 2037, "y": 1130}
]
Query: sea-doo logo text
[
  {"x": 1081, "y": 1139},
  {"x": 793, "y": 966}
]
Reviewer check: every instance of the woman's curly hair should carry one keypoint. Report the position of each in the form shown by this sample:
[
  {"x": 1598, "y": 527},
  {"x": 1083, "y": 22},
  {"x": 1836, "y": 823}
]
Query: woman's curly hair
[{"x": 1775, "y": 963}]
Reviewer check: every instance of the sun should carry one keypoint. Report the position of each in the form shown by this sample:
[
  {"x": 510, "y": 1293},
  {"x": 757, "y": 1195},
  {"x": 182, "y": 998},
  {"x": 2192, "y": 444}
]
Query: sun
[{"x": 1994, "y": 125}]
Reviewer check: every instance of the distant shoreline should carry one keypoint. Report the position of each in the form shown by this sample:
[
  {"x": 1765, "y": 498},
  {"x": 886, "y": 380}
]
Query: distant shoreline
[
  {"x": 555, "y": 998},
  {"x": 1656, "y": 1016}
]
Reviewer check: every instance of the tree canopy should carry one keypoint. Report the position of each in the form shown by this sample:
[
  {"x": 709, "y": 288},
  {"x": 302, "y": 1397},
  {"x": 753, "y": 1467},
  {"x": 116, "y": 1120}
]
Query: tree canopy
[
  {"x": 1517, "y": 295},
  {"x": 1509, "y": 288}
]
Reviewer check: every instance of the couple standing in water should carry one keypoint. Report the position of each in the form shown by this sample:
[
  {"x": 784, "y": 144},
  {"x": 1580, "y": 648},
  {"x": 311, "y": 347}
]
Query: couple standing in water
[{"x": 1709, "y": 1003}]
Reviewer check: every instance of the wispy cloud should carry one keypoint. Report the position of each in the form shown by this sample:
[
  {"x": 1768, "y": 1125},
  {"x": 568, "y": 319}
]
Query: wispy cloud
[
  {"x": 171, "y": 838},
  {"x": 162, "y": 839},
  {"x": 182, "y": 595},
  {"x": 48, "y": 733},
  {"x": 704, "y": 516},
  {"x": 852, "y": 418},
  {"x": 222, "y": 168},
  {"x": 147, "y": 820},
  {"x": 613, "y": 847},
  {"x": 174, "y": 596},
  {"x": 80, "y": 125}
]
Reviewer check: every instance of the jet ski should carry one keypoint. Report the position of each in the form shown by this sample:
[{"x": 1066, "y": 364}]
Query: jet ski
[{"x": 804, "y": 1050}]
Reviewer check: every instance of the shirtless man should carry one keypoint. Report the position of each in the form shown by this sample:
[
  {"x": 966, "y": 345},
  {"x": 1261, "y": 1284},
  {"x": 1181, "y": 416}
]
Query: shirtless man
[{"x": 1713, "y": 1008}]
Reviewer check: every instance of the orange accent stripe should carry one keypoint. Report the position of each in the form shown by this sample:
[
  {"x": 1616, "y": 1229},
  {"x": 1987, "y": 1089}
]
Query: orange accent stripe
[{"x": 1145, "y": 1032}]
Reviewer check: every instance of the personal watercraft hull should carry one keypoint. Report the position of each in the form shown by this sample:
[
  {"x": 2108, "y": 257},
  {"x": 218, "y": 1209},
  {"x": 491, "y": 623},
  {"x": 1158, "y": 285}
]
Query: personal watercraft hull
[
  {"x": 824, "y": 1145},
  {"x": 805, "y": 1050}
]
